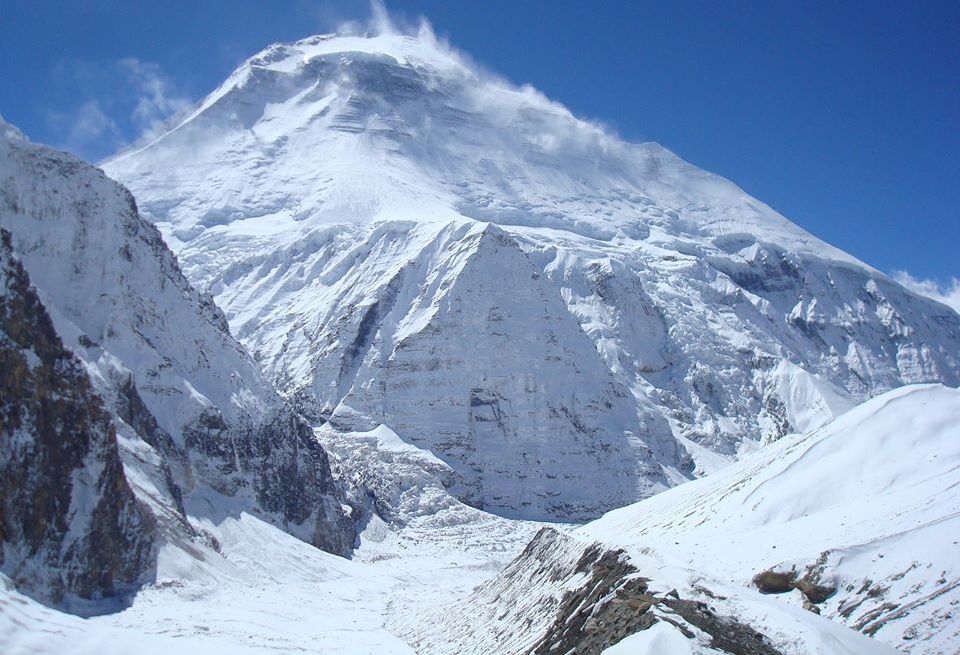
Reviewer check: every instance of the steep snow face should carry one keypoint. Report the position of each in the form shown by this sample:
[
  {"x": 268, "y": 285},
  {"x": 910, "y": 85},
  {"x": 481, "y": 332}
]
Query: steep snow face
[
  {"x": 330, "y": 195},
  {"x": 525, "y": 411},
  {"x": 202, "y": 432}
]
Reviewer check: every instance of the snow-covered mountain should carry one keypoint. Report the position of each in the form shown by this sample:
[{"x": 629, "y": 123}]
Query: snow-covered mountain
[
  {"x": 202, "y": 435},
  {"x": 400, "y": 238},
  {"x": 855, "y": 523}
]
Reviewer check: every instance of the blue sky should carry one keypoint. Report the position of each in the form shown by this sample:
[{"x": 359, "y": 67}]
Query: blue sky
[{"x": 845, "y": 117}]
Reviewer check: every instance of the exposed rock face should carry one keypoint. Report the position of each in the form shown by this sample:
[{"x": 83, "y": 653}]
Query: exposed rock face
[
  {"x": 293, "y": 481},
  {"x": 601, "y": 611},
  {"x": 69, "y": 522},
  {"x": 200, "y": 429}
]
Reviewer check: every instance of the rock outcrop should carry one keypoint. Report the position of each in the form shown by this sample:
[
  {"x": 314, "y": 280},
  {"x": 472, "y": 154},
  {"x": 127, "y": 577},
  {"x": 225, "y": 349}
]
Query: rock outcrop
[{"x": 70, "y": 526}]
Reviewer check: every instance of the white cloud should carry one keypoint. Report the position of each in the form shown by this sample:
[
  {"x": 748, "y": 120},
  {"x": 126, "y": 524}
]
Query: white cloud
[
  {"x": 88, "y": 127},
  {"x": 948, "y": 294},
  {"x": 156, "y": 100},
  {"x": 118, "y": 102}
]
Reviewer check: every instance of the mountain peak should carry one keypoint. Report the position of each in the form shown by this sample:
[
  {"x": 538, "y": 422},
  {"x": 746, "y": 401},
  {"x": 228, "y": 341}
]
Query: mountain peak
[
  {"x": 326, "y": 195},
  {"x": 359, "y": 127},
  {"x": 421, "y": 49}
]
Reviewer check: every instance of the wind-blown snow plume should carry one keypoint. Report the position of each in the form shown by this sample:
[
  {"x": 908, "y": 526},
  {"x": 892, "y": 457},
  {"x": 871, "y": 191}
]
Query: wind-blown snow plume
[
  {"x": 120, "y": 102},
  {"x": 948, "y": 293}
]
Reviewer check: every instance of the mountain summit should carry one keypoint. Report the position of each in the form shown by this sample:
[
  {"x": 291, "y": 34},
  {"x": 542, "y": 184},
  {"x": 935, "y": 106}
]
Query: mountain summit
[
  {"x": 346, "y": 128},
  {"x": 403, "y": 239}
]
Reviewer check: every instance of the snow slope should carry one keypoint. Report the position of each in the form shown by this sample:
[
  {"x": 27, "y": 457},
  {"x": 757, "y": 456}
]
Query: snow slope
[
  {"x": 624, "y": 308},
  {"x": 871, "y": 502},
  {"x": 688, "y": 558},
  {"x": 863, "y": 511}
]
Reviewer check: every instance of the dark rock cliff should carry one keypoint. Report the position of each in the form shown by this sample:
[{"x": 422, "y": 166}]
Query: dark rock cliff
[{"x": 69, "y": 522}]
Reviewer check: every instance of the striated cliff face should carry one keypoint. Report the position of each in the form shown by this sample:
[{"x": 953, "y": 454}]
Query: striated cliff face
[
  {"x": 503, "y": 384},
  {"x": 202, "y": 435},
  {"x": 334, "y": 196},
  {"x": 70, "y": 526}
]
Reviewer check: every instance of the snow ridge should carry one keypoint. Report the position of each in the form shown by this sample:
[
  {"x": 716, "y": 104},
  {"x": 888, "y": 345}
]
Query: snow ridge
[{"x": 861, "y": 514}]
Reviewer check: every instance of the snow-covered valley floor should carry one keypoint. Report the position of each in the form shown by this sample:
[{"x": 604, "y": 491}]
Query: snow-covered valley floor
[
  {"x": 865, "y": 508},
  {"x": 271, "y": 593}
]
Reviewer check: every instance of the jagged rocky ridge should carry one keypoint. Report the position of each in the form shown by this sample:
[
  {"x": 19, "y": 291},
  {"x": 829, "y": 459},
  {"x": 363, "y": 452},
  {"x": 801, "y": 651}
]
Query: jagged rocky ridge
[
  {"x": 400, "y": 238},
  {"x": 202, "y": 436},
  {"x": 565, "y": 595},
  {"x": 70, "y": 526}
]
